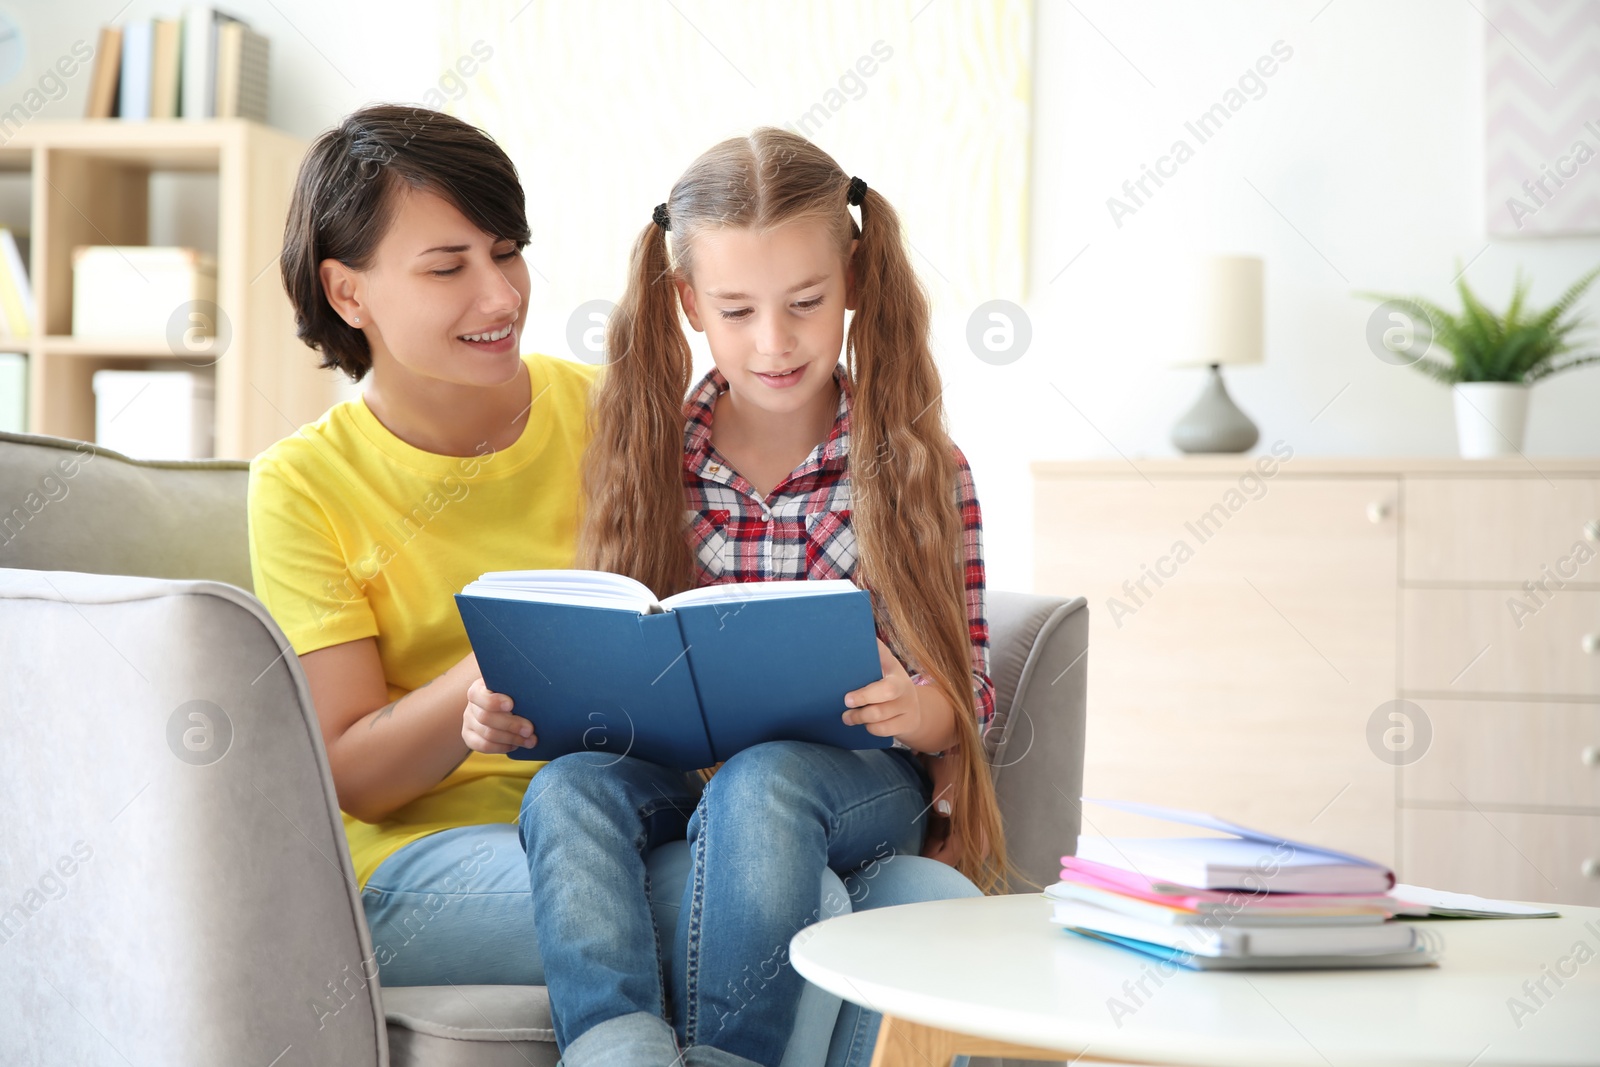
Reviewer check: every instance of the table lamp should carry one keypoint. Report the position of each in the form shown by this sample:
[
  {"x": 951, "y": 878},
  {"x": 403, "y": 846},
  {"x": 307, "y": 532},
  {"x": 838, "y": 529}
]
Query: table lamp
[{"x": 1227, "y": 330}]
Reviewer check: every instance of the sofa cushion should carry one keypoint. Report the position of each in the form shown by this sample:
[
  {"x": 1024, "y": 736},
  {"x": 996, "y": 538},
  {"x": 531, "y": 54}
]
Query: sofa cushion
[
  {"x": 470, "y": 1026},
  {"x": 73, "y": 506}
]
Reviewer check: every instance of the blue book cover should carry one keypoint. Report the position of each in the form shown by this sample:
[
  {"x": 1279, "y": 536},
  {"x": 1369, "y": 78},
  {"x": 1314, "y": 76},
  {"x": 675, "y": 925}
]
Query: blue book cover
[
  {"x": 685, "y": 683},
  {"x": 1419, "y": 956}
]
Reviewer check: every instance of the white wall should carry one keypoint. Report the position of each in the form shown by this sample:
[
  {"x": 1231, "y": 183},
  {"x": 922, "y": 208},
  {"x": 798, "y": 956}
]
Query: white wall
[
  {"x": 1369, "y": 141},
  {"x": 1360, "y": 168}
]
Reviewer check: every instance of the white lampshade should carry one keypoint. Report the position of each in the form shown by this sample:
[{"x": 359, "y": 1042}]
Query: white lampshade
[{"x": 1228, "y": 313}]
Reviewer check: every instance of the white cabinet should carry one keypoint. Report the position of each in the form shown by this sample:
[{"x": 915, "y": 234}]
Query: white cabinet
[{"x": 1253, "y": 621}]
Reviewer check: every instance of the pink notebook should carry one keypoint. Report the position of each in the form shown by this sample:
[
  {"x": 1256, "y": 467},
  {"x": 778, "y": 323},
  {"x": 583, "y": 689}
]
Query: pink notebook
[{"x": 1102, "y": 876}]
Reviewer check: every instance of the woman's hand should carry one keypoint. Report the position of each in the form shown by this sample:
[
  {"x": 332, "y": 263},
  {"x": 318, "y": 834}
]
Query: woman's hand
[
  {"x": 888, "y": 707},
  {"x": 487, "y": 724}
]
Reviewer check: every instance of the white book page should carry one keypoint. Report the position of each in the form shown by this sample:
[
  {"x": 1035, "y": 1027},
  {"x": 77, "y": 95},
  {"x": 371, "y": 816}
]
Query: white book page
[
  {"x": 1442, "y": 902},
  {"x": 599, "y": 589},
  {"x": 736, "y": 592}
]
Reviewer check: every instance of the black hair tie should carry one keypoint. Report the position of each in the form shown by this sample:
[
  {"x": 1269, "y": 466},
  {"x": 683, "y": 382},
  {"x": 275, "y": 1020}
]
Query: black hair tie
[
  {"x": 857, "y": 192},
  {"x": 661, "y": 217}
]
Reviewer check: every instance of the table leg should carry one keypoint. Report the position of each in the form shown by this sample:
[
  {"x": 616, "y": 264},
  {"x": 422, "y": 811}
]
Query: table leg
[{"x": 907, "y": 1044}]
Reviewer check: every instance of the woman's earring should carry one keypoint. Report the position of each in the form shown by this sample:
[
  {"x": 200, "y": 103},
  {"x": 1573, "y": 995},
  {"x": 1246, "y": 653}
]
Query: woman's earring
[{"x": 358, "y": 320}]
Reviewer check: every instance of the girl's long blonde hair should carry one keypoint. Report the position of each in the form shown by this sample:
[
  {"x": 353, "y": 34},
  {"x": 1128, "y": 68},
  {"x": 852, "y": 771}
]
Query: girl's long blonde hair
[{"x": 903, "y": 465}]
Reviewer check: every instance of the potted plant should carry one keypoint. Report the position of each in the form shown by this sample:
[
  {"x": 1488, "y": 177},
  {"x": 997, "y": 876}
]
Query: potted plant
[{"x": 1493, "y": 358}]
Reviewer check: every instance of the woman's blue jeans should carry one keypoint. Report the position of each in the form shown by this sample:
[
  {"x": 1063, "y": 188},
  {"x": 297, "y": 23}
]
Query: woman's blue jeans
[{"x": 456, "y": 906}]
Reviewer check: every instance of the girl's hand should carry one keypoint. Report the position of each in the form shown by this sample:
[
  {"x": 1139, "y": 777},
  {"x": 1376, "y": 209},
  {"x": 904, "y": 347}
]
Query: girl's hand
[
  {"x": 487, "y": 724},
  {"x": 888, "y": 707},
  {"x": 939, "y": 842}
]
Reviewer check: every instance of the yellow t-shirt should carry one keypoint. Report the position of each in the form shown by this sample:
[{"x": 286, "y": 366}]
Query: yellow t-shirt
[{"x": 354, "y": 533}]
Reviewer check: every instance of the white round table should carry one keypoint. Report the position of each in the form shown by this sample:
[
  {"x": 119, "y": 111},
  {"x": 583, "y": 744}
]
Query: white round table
[{"x": 992, "y": 976}]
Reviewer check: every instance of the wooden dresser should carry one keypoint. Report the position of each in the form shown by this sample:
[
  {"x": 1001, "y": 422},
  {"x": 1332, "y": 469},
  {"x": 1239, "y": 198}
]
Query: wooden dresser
[{"x": 1396, "y": 657}]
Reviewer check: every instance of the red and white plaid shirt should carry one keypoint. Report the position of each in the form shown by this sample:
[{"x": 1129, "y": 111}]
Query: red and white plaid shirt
[{"x": 802, "y": 530}]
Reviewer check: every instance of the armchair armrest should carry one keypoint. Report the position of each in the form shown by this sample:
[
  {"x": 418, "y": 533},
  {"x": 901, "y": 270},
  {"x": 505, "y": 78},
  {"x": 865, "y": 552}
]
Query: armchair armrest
[
  {"x": 1039, "y": 649},
  {"x": 182, "y": 887}
]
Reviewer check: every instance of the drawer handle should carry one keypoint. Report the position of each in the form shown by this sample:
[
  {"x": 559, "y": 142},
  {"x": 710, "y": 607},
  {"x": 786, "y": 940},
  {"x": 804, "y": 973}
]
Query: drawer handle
[
  {"x": 1591, "y": 755},
  {"x": 1591, "y": 530},
  {"x": 1590, "y": 868},
  {"x": 1377, "y": 511},
  {"x": 1590, "y": 643}
]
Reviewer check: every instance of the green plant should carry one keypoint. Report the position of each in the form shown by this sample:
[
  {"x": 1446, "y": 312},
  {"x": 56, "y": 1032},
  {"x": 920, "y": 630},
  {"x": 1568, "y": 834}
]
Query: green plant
[{"x": 1520, "y": 346}]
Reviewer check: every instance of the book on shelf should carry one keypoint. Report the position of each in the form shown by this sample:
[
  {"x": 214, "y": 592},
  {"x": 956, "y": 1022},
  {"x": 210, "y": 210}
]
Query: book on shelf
[
  {"x": 200, "y": 24},
  {"x": 13, "y": 392},
  {"x": 206, "y": 64},
  {"x": 102, "y": 103},
  {"x": 16, "y": 293},
  {"x": 241, "y": 72},
  {"x": 138, "y": 55},
  {"x": 166, "y": 40},
  {"x": 596, "y": 662}
]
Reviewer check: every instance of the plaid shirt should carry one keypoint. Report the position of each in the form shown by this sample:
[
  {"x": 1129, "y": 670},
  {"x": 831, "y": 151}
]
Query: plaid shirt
[{"x": 802, "y": 530}]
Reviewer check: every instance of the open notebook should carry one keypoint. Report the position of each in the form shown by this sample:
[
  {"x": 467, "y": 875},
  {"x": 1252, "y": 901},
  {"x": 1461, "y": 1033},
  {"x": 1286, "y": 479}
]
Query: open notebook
[{"x": 1246, "y": 859}]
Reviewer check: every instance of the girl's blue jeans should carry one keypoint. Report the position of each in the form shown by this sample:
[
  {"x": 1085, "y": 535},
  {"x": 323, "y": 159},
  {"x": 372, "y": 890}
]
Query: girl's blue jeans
[{"x": 639, "y": 926}]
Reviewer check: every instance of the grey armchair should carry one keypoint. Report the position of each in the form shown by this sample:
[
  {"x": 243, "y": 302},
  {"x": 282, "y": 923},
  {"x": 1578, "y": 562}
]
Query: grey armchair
[{"x": 178, "y": 886}]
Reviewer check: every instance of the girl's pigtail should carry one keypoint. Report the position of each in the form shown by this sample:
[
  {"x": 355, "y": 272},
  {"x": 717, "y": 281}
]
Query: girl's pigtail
[
  {"x": 908, "y": 527},
  {"x": 633, "y": 469}
]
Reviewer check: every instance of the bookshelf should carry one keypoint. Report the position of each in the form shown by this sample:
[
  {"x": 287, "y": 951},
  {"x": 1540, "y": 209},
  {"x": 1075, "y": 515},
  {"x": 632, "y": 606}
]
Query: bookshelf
[{"x": 89, "y": 184}]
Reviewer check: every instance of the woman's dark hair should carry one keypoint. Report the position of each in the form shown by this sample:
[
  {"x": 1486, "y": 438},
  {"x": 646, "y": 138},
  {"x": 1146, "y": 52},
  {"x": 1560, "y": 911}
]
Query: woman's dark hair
[{"x": 344, "y": 201}]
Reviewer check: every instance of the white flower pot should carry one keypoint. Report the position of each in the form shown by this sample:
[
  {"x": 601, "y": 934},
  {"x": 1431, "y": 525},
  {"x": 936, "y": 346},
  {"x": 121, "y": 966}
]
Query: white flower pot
[{"x": 1490, "y": 418}]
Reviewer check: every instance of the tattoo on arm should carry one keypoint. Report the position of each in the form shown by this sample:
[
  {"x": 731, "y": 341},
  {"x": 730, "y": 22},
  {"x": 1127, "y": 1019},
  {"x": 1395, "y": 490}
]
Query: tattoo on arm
[
  {"x": 388, "y": 709},
  {"x": 383, "y": 713}
]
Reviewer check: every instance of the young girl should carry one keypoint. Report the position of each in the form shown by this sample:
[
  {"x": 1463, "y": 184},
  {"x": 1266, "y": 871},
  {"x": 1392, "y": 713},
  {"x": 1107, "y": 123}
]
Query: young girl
[{"x": 782, "y": 464}]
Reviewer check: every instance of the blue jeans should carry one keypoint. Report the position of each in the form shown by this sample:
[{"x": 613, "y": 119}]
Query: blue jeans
[
  {"x": 767, "y": 826},
  {"x": 456, "y": 907},
  {"x": 879, "y": 884}
]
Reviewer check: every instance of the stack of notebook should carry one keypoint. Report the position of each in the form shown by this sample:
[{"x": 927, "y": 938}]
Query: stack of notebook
[{"x": 1250, "y": 900}]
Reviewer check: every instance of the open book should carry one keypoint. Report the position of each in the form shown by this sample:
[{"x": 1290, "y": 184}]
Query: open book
[{"x": 597, "y": 663}]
